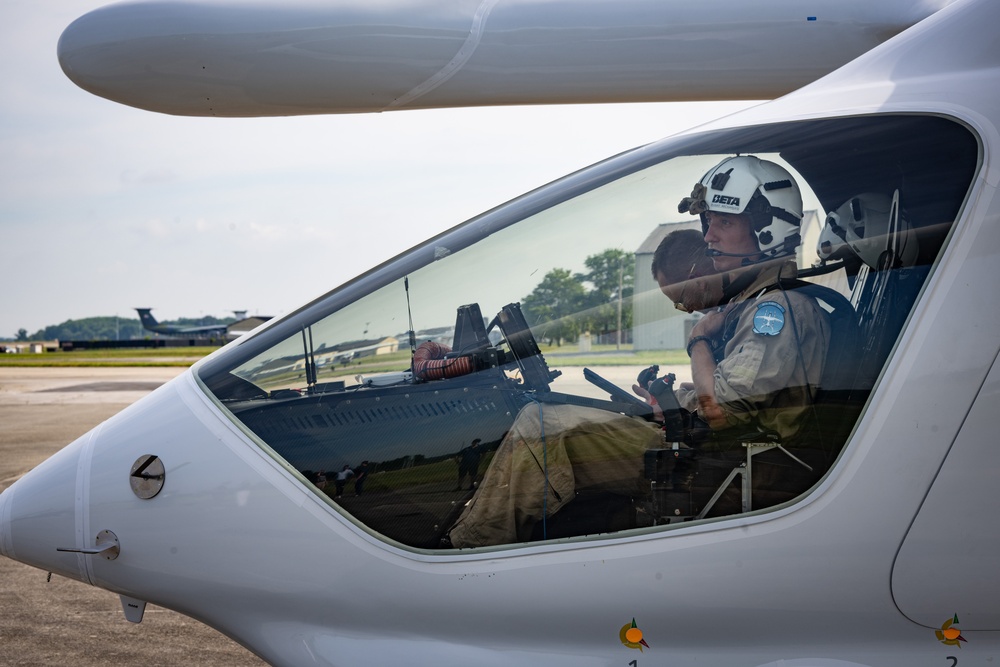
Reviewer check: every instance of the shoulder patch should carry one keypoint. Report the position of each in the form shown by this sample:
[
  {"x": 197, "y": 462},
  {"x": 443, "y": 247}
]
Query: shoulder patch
[{"x": 769, "y": 319}]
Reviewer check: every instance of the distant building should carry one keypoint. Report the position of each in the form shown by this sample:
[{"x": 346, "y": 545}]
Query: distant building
[
  {"x": 244, "y": 325},
  {"x": 440, "y": 335},
  {"x": 656, "y": 324},
  {"x": 30, "y": 347},
  {"x": 356, "y": 349}
]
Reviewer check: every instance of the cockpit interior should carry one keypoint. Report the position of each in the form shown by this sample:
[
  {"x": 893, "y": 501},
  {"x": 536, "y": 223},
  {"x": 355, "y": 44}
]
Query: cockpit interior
[{"x": 397, "y": 396}]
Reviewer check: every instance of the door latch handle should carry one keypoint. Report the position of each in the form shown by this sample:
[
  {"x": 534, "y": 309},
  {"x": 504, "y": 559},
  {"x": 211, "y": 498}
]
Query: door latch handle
[{"x": 107, "y": 546}]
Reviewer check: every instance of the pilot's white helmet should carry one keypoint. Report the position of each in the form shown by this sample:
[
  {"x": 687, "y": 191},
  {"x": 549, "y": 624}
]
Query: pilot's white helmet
[
  {"x": 763, "y": 190},
  {"x": 862, "y": 225}
]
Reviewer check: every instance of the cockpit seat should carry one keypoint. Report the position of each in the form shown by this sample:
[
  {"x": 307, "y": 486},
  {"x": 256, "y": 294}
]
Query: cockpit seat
[{"x": 871, "y": 235}]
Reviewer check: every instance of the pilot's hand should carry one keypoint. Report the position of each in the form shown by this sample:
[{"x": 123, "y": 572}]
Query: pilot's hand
[{"x": 643, "y": 393}]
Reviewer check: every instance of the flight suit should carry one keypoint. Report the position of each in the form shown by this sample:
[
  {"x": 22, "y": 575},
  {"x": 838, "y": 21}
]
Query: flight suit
[
  {"x": 550, "y": 453},
  {"x": 771, "y": 358}
]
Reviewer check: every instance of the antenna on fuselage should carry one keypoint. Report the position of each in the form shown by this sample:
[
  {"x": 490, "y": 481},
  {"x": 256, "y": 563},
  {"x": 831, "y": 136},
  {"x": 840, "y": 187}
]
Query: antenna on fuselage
[
  {"x": 309, "y": 357},
  {"x": 409, "y": 314}
]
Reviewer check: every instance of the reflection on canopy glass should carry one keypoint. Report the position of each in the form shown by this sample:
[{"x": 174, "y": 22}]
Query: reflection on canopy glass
[{"x": 478, "y": 390}]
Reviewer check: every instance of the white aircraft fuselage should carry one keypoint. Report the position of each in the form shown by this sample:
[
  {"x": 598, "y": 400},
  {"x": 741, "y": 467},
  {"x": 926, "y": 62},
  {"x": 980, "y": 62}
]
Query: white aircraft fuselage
[{"x": 878, "y": 564}]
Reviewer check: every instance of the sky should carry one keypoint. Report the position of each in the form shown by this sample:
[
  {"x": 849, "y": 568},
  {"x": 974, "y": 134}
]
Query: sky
[{"x": 104, "y": 208}]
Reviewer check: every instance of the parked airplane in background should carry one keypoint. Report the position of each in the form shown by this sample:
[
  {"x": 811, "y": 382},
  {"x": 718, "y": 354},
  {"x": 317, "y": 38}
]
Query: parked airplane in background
[
  {"x": 242, "y": 325},
  {"x": 217, "y": 496},
  {"x": 149, "y": 323}
]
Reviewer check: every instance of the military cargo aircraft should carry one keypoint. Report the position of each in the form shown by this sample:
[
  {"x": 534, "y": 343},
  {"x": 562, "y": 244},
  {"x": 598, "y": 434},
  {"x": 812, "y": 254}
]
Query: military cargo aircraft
[{"x": 149, "y": 323}]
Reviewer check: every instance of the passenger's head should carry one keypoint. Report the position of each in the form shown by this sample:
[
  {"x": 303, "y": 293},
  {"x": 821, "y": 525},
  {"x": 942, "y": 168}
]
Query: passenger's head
[
  {"x": 750, "y": 211},
  {"x": 866, "y": 226},
  {"x": 685, "y": 274}
]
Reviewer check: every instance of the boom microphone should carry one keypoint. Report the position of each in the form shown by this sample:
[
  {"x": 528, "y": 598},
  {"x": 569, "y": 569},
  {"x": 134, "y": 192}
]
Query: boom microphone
[{"x": 711, "y": 252}]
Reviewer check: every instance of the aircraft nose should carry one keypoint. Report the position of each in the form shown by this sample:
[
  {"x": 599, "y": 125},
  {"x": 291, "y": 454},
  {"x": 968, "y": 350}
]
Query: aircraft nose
[{"x": 42, "y": 512}]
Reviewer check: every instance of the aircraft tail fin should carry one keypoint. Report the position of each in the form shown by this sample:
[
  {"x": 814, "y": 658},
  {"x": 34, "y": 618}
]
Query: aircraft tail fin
[{"x": 147, "y": 319}]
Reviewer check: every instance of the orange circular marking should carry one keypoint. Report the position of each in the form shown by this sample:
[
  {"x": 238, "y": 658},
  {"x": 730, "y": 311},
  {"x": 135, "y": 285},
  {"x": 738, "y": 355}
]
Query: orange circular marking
[
  {"x": 952, "y": 633},
  {"x": 634, "y": 635}
]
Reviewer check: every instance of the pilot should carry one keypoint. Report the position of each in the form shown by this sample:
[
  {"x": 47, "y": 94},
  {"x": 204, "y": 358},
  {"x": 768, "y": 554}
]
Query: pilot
[{"x": 757, "y": 360}]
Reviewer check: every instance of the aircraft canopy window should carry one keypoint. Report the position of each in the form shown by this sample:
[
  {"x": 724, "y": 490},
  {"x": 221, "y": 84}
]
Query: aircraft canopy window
[{"x": 478, "y": 391}]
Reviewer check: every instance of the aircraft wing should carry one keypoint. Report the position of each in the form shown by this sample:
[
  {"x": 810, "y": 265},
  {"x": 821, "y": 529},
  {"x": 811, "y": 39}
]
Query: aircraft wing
[
  {"x": 217, "y": 329},
  {"x": 278, "y": 58}
]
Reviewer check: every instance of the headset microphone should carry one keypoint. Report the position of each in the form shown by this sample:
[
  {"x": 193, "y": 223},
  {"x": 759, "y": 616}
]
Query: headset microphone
[
  {"x": 746, "y": 261},
  {"x": 718, "y": 253}
]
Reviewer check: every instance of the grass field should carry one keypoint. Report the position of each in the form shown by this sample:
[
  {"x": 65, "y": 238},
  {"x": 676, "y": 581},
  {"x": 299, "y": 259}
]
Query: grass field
[
  {"x": 185, "y": 356},
  {"x": 162, "y": 356}
]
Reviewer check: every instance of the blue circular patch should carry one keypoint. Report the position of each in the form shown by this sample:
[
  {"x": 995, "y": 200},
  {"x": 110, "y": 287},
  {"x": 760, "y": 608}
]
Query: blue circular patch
[{"x": 769, "y": 319}]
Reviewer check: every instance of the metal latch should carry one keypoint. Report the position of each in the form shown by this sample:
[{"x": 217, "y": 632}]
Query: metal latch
[{"x": 107, "y": 546}]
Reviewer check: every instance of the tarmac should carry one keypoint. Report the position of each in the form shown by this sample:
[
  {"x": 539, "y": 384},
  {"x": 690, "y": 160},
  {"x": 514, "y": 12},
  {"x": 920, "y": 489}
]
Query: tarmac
[{"x": 61, "y": 621}]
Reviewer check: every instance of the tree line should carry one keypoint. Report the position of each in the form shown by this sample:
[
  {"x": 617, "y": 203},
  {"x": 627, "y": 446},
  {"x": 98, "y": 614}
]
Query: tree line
[{"x": 566, "y": 304}]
